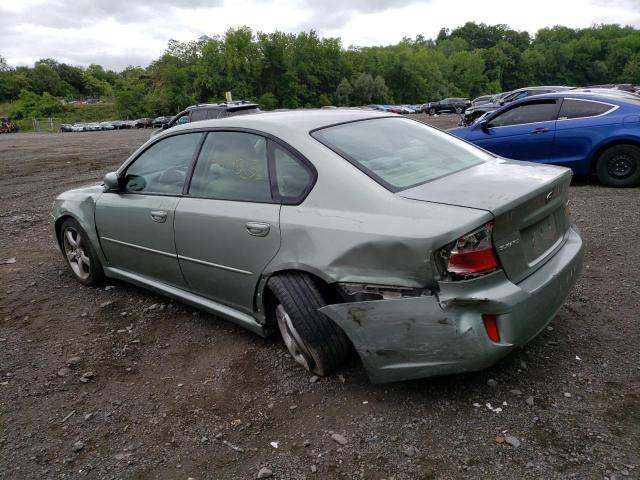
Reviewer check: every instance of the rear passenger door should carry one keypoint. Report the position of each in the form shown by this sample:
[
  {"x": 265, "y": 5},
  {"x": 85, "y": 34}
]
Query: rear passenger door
[
  {"x": 522, "y": 132},
  {"x": 227, "y": 227}
]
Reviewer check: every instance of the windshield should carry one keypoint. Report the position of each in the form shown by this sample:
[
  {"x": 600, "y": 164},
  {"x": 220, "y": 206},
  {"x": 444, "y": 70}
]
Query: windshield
[{"x": 399, "y": 153}]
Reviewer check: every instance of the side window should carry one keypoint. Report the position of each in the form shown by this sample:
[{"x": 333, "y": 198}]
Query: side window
[
  {"x": 182, "y": 119},
  {"x": 291, "y": 176},
  {"x": 162, "y": 168},
  {"x": 232, "y": 166},
  {"x": 528, "y": 113},
  {"x": 582, "y": 108},
  {"x": 199, "y": 114}
]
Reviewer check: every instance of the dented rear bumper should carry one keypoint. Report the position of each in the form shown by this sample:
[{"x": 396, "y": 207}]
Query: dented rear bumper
[{"x": 444, "y": 333}]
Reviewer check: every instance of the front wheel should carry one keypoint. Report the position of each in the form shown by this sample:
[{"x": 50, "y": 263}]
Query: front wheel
[
  {"x": 619, "y": 166},
  {"x": 458, "y": 109},
  {"x": 79, "y": 254},
  {"x": 432, "y": 111},
  {"x": 315, "y": 342}
]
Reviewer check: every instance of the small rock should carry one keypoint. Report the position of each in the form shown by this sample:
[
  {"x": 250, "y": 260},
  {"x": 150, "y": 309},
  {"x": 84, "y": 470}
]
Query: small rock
[
  {"x": 336, "y": 437},
  {"x": 265, "y": 473},
  {"x": 63, "y": 372},
  {"x": 204, "y": 440},
  {"x": 513, "y": 441},
  {"x": 78, "y": 446},
  {"x": 292, "y": 407},
  {"x": 306, "y": 443},
  {"x": 314, "y": 379},
  {"x": 88, "y": 416},
  {"x": 492, "y": 383},
  {"x": 219, "y": 436},
  {"x": 529, "y": 401},
  {"x": 314, "y": 469},
  {"x": 73, "y": 361},
  {"x": 341, "y": 378},
  {"x": 410, "y": 451},
  {"x": 499, "y": 439},
  {"x": 10, "y": 260},
  {"x": 523, "y": 365},
  {"x": 567, "y": 394},
  {"x": 86, "y": 377},
  {"x": 516, "y": 392},
  {"x": 109, "y": 287},
  {"x": 105, "y": 304}
]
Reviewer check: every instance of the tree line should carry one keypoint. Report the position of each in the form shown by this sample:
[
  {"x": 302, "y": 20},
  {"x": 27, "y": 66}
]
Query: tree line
[{"x": 282, "y": 70}]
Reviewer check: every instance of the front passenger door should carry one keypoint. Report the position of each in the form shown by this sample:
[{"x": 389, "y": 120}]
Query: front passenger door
[
  {"x": 522, "y": 132},
  {"x": 135, "y": 224}
]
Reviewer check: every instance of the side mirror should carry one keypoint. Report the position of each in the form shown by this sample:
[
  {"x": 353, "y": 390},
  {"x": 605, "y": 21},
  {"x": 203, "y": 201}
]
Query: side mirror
[{"x": 111, "y": 182}]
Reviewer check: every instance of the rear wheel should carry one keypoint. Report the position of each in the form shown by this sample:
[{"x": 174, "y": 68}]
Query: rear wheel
[
  {"x": 432, "y": 111},
  {"x": 79, "y": 253},
  {"x": 314, "y": 341},
  {"x": 619, "y": 166},
  {"x": 458, "y": 109}
]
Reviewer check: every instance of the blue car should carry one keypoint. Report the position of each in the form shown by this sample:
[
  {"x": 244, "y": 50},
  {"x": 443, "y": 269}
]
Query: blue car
[{"x": 586, "y": 132}]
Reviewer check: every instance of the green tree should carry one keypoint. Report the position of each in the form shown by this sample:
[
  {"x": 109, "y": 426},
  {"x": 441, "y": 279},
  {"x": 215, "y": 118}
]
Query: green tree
[
  {"x": 343, "y": 93},
  {"x": 30, "y": 104}
]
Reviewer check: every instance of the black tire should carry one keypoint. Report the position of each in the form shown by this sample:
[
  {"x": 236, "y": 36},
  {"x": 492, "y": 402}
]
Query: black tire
[
  {"x": 323, "y": 344},
  {"x": 94, "y": 272},
  {"x": 458, "y": 109},
  {"x": 432, "y": 111},
  {"x": 619, "y": 166}
]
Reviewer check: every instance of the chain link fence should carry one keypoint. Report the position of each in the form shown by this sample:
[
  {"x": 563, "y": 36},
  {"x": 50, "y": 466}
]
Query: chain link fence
[{"x": 44, "y": 125}]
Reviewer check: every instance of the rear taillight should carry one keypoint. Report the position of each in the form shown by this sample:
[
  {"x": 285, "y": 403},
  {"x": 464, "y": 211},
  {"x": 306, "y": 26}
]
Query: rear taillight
[{"x": 473, "y": 254}]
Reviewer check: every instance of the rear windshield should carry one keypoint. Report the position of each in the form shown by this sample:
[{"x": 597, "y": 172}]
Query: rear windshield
[{"x": 399, "y": 153}]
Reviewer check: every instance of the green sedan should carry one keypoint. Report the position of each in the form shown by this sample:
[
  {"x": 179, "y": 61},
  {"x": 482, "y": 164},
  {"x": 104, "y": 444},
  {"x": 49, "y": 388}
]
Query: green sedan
[{"x": 342, "y": 229}]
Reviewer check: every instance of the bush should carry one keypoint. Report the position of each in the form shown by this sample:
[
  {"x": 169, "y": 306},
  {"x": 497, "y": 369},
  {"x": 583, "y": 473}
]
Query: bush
[{"x": 30, "y": 104}]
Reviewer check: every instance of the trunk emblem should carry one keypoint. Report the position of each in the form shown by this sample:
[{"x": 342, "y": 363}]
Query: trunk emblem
[
  {"x": 549, "y": 196},
  {"x": 503, "y": 247}
]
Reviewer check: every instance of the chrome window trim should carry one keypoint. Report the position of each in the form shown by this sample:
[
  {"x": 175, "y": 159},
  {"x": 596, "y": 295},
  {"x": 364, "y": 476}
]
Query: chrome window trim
[{"x": 139, "y": 247}]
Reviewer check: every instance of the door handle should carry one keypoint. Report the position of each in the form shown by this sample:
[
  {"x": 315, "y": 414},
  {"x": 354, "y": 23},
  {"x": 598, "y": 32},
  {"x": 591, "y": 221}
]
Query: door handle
[
  {"x": 540, "y": 130},
  {"x": 258, "y": 229},
  {"x": 159, "y": 216}
]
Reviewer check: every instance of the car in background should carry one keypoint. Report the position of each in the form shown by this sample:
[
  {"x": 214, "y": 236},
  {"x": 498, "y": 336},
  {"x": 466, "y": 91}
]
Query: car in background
[
  {"x": 457, "y": 105},
  {"x": 476, "y": 111},
  {"x": 144, "y": 122},
  {"x": 66, "y": 127},
  {"x": 207, "y": 111},
  {"x": 340, "y": 228},
  {"x": 79, "y": 127},
  {"x": 481, "y": 99},
  {"x": 587, "y": 132},
  {"x": 158, "y": 122},
  {"x": 107, "y": 126}
]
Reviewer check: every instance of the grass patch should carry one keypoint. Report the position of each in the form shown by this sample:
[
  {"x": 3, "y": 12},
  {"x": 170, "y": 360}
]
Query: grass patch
[{"x": 74, "y": 113}]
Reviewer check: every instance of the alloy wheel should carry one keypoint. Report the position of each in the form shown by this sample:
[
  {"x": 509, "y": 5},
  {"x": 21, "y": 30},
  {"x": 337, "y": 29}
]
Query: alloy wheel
[
  {"x": 76, "y": 253},
  {"x": 292, "y": 339}
]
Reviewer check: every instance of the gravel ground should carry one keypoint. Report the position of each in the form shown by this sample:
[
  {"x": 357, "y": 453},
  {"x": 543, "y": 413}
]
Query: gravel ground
[{"x": 117, "y": 382}]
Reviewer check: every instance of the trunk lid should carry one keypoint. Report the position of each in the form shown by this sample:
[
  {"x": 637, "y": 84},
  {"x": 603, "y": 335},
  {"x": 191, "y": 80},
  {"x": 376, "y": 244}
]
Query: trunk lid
[{"x": 527, "y": 200}]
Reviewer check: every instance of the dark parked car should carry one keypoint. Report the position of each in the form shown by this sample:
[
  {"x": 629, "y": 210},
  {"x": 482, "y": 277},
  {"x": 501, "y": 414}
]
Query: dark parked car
[
  {"x": 474, "y": 112},
  {"x": 207, "y": 111},
  {"x": 457, "y": 105},
  {"x": 481, "y": 99},
  {"x": 144, "y": 123},
  {"x": 158, "y": 122},
  {"x": 587, "y": 132}
]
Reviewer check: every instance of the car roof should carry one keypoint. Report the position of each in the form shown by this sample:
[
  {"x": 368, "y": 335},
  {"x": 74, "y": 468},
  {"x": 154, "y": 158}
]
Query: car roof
[{"x": 294, "y": 121}]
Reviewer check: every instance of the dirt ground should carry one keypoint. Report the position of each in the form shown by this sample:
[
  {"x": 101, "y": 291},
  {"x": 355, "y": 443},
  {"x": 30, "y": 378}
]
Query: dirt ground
[{"x": 179, "y": 394}]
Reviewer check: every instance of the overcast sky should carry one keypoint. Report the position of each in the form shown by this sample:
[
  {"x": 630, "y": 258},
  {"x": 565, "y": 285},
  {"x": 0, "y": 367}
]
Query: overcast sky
[{"x": 117, "y": 33}]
